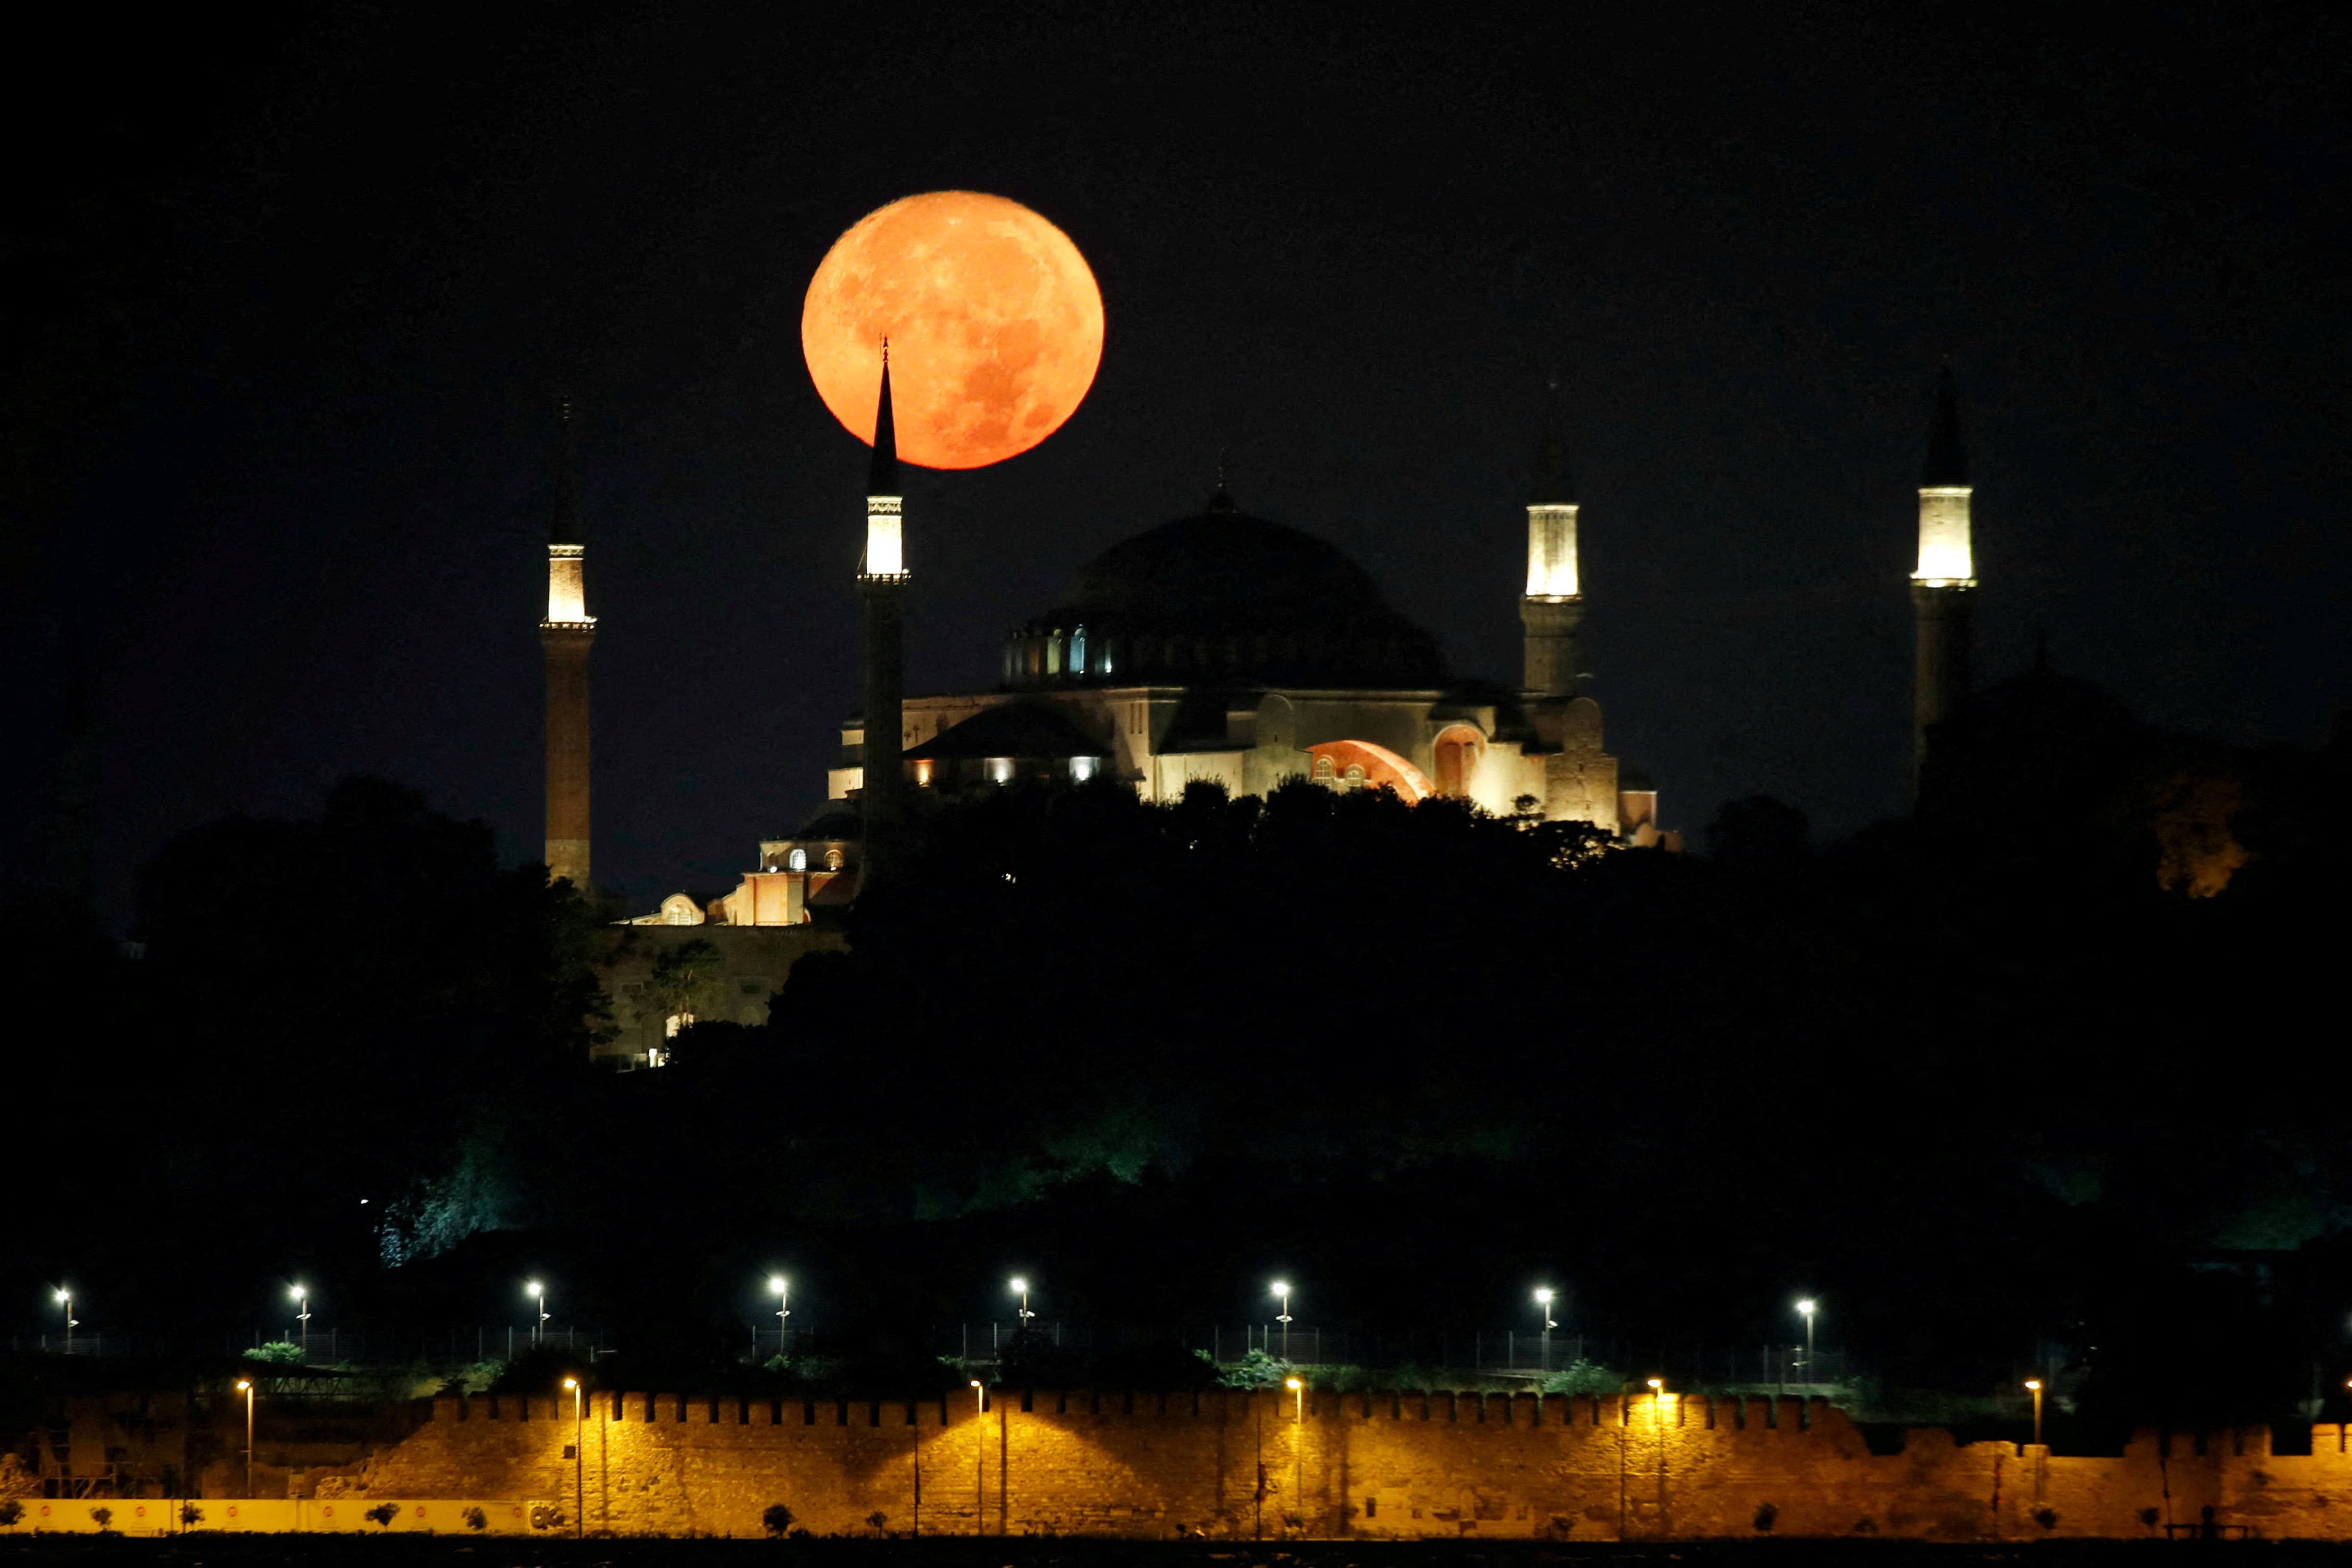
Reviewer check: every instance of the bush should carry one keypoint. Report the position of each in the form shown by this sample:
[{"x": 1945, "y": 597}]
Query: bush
[
  {"x": 777, "y": 1521},
  {"x": 191, "y": 1515},
  {"x": 11, "y": 1511},
  {"x": 384, "y": 1513},
  {"x": 1256, "y": 1370},
  {"x": 277, "y": 1352},
  {"x": 105, "y": 1517},
  {"x": 475, "y": 1519},
  {"x": 1581, "y": 1376}
]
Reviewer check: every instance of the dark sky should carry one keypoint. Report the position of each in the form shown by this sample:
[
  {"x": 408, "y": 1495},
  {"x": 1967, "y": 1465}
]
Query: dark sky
[{"x": 297, "y": 284}]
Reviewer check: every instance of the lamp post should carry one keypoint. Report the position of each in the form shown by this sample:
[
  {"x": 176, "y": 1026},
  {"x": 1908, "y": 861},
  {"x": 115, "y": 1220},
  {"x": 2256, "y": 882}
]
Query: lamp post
[
  {"x": 538, "y": 1293},
  {"x": 1297, "y": 1386},
  {"x": 245, "y": 1386},
  {"x": 1543, "y": 1306},
  {"x": 1020, "y": 1288},
  {"x": 979, "y": 1459},
  {"x": 303, "y": 1318},
  {"x": 579, "y": 1460},
  {"x": 784, "y": 1289},
  {"x": 65, "y": 1299},
  {"x": 2034, "y": 1383},
  {"x": 1805, "y": 1309},
  {"x": 1282, "y": 1290}
]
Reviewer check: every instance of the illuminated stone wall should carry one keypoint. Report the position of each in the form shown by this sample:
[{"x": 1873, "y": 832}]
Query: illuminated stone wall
[{"x": 1378, "y": 1466}]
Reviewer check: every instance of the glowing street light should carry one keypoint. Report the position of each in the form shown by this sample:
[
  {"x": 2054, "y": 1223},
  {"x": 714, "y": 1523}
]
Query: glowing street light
[
  {"x": 1297, "y": 1386},
  {"x": 1805, "y": 1309},
  {"x": 1544, "y": 1299},
  {"x": 784, "y": 1289},
  {"x": 538, "y": 1292},
  {"x": 65, "y": 1299},
  {"x": 2034, "y": 1383},
  {"x": 1282, "y": 1289},
  {"x": 303, "y": 1318},
  {"x": 579, "y": 1459},
  {"x": 1020, "y": 1288},
  {"x": 245, "y": 1386}
]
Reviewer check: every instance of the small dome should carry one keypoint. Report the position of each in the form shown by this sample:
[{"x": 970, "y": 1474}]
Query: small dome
[{"x": 1224, "y": 598}]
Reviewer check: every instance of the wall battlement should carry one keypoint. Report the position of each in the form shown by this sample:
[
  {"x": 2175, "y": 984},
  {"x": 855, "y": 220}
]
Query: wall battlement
[{"x": 1381, "y": 1465}]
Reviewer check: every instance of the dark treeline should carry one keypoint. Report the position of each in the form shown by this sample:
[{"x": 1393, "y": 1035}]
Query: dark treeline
[{"x": 2053, "y": 1064}]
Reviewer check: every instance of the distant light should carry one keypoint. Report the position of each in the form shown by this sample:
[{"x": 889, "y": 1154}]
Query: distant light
[
  {"x": 2034, "y": 1383},
  {"x": 1806, "y": 1307},
  {"x": 363, "y": 1203},
  {"x": 242, "y": 1387},
  {"x": 63, "y": 1298},
  {"x": 299, "y": 1292},
  {"x": 571, "y": 1382},
  {"x": 975, "y": 1383},
  {"x": 1543, "y": 1298},
  {"x": 1656, "y": 1384},
  {"x": 1280, "y": 1289},
  {"x": 777, "y": 1283},
  {"x": 534, "y": 1288},
  {"x": 1293, "y": 1384},
  {"x": 1020, "y": 1285}
]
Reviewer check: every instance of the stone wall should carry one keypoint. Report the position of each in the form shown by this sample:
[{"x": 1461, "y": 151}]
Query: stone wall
[{"x": 1376, "y": 1466}]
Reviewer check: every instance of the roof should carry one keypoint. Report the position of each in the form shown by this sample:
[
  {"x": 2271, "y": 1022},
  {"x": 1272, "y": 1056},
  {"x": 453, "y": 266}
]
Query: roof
[
  {"x": 1030, "y": 730},
  {"x": 1223, "y": 597}
]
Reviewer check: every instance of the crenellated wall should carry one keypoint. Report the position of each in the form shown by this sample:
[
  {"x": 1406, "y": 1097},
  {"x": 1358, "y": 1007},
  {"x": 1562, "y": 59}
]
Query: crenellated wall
[{"x": 1375, "y": 1465}]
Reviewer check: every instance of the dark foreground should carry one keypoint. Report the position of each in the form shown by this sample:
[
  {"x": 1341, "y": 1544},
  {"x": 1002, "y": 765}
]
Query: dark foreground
[{"x": 1031, "y": 1552}]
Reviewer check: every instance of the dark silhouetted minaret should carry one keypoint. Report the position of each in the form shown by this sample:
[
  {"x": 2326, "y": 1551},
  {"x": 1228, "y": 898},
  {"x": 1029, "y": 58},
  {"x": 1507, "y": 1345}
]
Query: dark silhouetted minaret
[
  {"x": 1552, "y": 609},
  {"x": 1943, "y": 586},
  {"x": 882, "y": 578},
  {"x": 566, "y": 634}
]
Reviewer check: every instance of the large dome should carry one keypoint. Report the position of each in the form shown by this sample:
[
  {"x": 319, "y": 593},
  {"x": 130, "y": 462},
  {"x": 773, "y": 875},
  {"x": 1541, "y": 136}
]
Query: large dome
[{"x": 1224, "y": 598}]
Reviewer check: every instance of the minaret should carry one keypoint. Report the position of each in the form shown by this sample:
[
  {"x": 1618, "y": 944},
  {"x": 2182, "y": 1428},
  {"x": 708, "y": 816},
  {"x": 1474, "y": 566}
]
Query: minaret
[
  {"x": 882, "y": 579},
  {"x": 1552, "y": 610},
  {"x": 1942, "y": 587},
  {"x": 566, "y": 634}
]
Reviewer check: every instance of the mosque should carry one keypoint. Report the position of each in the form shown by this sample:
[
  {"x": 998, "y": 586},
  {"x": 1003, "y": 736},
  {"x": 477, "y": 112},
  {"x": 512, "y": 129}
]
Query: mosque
[{"x": 1221, "y": 647}]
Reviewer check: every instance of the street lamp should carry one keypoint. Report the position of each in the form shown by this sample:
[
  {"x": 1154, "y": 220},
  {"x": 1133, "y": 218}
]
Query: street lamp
[
  {"x": 1805, "y": 1309},
  {"x": 538, "y": 1292},
  {"x": 2034, "y": 1383},
  {"x": 1543, "y": 1306},
  {"x": 1021, "y": 1287},
  {"x": 1282, "y": 1289},
  {"x": 65, "y": 1299},
  {"x": 579, "y": 1460},
  {"x": 784, "y": 1289},
  {"x": 303, "y": 1318},
  {"x": 245, "y": 1386}
]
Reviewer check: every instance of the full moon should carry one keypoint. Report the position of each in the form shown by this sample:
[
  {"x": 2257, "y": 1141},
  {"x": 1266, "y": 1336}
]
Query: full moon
[{"x": 995, "y": 321}]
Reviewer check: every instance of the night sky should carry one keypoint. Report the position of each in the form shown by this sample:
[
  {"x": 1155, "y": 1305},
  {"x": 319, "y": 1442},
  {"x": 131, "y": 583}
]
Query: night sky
[{"x": 292, "y": 289}]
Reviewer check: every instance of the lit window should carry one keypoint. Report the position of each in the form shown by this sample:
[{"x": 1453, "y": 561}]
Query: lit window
[
  {"x": 1082, "y": 768},
  {"x": 797, "y": 860},
  {"x": 832, "y": 859},
  {"x": 1354, "y": 777},
  {"x": 1000, "y": 770},
  {"x": 1078, "y": 651},
  {"x": 1323, "y": 770}
]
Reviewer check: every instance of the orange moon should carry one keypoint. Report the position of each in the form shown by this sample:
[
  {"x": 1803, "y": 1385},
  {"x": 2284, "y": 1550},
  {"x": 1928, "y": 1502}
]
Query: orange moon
[{"x": 995, "y": 321}]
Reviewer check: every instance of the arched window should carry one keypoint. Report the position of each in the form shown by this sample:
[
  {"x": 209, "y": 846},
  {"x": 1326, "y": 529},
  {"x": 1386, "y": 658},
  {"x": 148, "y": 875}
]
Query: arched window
[
  {"x": 832, "y": 859},
  {"x": 1354, "y": 777},
  {"x": 797, "y": 860},
  {"x": 1323, "y": 770},
  {"x": 1078, "y": 651}
]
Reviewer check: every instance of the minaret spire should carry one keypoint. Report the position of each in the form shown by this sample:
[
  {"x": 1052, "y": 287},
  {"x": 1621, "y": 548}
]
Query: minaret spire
[
  {"x": 1552, "y": 609},
  {"x": 566, "y": 635},
  {"x": 883, "y": 582},
  {"x": 1943, "y": 586}
]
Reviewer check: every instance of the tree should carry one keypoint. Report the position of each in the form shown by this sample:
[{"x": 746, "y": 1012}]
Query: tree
[
  {"x": 685, "y": 980},
  {"x": 778, "y": 1519}
]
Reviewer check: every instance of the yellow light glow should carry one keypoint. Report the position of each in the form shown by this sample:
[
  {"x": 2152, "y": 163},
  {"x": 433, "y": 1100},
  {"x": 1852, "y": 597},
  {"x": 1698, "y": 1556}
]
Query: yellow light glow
[
  {"x": 571, "y": 1382},
  {"x": 1551, "y": 552},
  {"x": 567, "y": 592},
  {"x": 1947, "y": 558},
  {"x": 1293, "y": 1384},
  {"x": 885, "y": 554},
  {"x": 1656, "y": 1384},
  {"x": 242, "y": 1387},
  {"x": 2034, "y": 1383}
]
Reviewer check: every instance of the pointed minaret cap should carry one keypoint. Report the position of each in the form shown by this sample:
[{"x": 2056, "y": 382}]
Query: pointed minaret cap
[
  {"x": 1948, "y": 461},
  {"x": 882, "y": 479},
  {"x": 1551, "y": 484},
  {"x": 563, "y": 521}
]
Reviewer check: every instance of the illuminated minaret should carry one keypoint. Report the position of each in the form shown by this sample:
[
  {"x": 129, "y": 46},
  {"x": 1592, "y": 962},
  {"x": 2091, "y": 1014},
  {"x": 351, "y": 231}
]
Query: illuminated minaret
[
  {"x": 1942, "y": 587},
  {"x": 566, "y": 634},
  {"x": 882, "y": 578},
  {"x": 1552, "y": 610}
]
